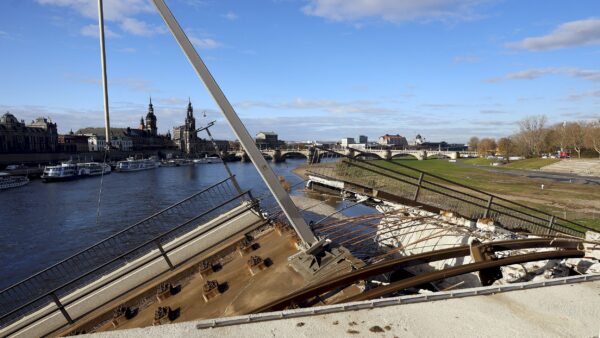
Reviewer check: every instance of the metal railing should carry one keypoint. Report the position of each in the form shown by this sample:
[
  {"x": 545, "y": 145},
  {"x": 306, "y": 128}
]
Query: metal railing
[
  {"x": 78, "y": 270},
  {"x": 422, "y": 188}
]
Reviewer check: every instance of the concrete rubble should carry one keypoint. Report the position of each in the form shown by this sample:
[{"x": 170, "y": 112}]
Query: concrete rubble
[{"x": 408, "y": 231}]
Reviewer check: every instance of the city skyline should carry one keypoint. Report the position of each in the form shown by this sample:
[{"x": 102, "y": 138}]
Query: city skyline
[{"x": 315, "y": 69}]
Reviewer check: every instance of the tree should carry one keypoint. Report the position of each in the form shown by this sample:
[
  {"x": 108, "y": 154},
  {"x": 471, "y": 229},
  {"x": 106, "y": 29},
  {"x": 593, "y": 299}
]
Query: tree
[
  {"x": 486, "y": 146},
  {"x": 556, "y": 137},
  {"x": 533, "y": 134},
  {"x": 505, "y": 146},
  {"x": 575, "y": 134},
  {"x": 592, "y": 136},
  {"x": 473, "y": 143}
]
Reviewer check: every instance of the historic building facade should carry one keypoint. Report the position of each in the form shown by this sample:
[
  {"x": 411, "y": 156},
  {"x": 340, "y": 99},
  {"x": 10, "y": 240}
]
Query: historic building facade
[
  {"x": 185, "y": 136},
  {"x": 145, "y": 137},
  {"x": 40, "y": 136}
]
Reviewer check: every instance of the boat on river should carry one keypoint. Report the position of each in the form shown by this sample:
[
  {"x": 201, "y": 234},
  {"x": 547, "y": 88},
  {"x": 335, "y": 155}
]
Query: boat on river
[
  {"x": 92, "y": 169},
  {"x": 208, "y": 160},
  {"x": 132, "y": 164},
  {"x": 62, "y": 172},
  {"x": 7, "y": 181}
]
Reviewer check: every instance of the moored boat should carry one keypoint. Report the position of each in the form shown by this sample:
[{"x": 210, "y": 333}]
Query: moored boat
[
  {"x": 92, "y": 169},
  {"x": 62, "y": 172},
  {"x": 7, "y": 181},
  {"x": 136, "y": 165},
  {"x": 208, "y": 160}
]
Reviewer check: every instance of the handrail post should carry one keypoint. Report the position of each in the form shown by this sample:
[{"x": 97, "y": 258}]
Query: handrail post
[
  {"x": 61, "y": 308},
  {"x": 550, "y": 224},
  {"x": 164, "y": 254},
  {"x": 488, "y": 206},
  {"x": 418, "y": 186}
]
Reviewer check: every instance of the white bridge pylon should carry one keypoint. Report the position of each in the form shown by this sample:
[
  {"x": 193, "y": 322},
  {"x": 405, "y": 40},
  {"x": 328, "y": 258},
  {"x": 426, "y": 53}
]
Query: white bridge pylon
[{"x": 281, "y": 196}]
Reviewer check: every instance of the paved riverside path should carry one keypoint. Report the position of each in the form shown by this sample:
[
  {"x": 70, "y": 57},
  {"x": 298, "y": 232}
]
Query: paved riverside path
[{"x": 571, "y": 310}]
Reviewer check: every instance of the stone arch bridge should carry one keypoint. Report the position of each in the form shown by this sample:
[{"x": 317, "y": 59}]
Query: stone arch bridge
[{"x": 314, "y": 155}]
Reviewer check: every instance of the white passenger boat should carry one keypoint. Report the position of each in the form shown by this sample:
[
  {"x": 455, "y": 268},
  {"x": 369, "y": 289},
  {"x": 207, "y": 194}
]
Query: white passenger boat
[
  {"x": 7, "y": 181},
  {"x": 92, "y": 169},
  {"x": 62, "y": 172},
  {"x": 208, "y": 160},
  {"x": 136, "y": 165},
  {"x": 183, "y": 162}
]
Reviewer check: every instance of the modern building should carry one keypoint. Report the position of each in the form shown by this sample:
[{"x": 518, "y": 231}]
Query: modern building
[
  {"x": 363, "y": 139},
  {"x": 346, "y": 141},
  {"x": 185, "y": 136},
  {"x": 40, "y": 136},
  {"x": 267, "y": 139},
  {"x": 393, "y": 140}
]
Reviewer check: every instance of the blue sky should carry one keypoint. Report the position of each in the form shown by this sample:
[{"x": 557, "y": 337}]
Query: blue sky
[{"x": 310, "y": 69}]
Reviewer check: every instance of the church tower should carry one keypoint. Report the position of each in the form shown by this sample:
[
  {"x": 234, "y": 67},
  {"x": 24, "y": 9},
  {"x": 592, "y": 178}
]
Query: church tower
[
  {"x": 190, "y": 129},
  {"x": 190, "y": 121},
  {"x": 151, "y": 120},
  {"x": 142, "y": 124}
]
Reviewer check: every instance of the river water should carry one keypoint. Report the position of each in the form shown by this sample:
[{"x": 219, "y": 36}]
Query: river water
[{"x": 43, "y": 223}]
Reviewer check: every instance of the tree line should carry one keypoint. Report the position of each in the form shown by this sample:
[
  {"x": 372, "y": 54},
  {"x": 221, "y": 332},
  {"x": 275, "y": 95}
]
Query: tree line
[{"x": 535, "y": 138}]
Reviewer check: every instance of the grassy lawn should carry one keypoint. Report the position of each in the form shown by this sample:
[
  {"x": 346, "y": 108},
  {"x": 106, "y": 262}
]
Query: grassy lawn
[
  {"x": 531, "y": 163},
  {"x": 556, "y": 197},
  {"x": 479, "y": 161}
]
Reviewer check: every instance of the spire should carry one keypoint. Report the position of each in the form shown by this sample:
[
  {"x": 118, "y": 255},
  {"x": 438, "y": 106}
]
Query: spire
[
  {"x": 150, "y": 107},
  {"x": 190, "y": 110}
]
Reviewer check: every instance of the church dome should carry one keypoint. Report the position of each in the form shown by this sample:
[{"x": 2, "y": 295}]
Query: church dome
[{"x": 8, "y": 118}]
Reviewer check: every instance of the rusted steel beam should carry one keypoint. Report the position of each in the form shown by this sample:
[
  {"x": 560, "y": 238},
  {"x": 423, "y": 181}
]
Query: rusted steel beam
[
  {"x": 483, "y": 253},
  {"x": 407, "y": 261},
  {"x": 461, "y": 270}
]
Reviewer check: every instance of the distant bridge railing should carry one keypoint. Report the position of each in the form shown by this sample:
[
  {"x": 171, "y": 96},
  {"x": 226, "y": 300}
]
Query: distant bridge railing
[
  {"x": 88, "y": 265},
  {"x": 416, "y": 187}
]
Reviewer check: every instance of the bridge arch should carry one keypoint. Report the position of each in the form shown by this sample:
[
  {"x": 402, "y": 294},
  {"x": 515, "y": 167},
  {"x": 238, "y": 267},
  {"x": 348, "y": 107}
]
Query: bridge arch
[
  {"x": 435, "y": 154},
  {"x": 404, "y": 155},
  {"x": 293, "y": 154},
  {"x": 367, "y": 156}
]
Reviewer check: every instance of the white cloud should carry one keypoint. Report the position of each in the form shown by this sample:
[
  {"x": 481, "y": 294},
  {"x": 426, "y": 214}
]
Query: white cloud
[
  {"x": 123, "y": 12},
  {"x": 93, "y": 31},
  {"x": 392, "y": 10},
  {"x": 205, "y": 43},
  {"x": 531, "y": 74},
  {"x": 331, "y": 106},
  {"x": 141, "y": 28},
  {"x": 231, "y": 16},
  {"x": 4, "y": 34},
  {"x": 584, "y": 95},
  {"x": 570, "y": 34}
]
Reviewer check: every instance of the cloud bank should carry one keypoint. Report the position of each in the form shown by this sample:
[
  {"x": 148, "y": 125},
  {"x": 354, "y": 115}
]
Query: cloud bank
[
  {"x": 392, "y": 10},
  {"x": 570, "y": 34}
]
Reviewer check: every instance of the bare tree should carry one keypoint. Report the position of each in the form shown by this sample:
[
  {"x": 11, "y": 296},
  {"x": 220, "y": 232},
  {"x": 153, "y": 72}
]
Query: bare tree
[
  {"x": 487, "y": 146},
  {"x": 533, "y": 134},
  {"x": 473, "y": 143},
  {"x": 575, "y": 135},
  {"x": 592, "y": 136},
  {"x": 505, "y": 147}
]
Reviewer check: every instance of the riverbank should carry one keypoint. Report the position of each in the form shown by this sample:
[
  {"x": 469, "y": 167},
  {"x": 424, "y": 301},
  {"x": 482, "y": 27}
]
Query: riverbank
[{"x": 574, "y": 200}]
